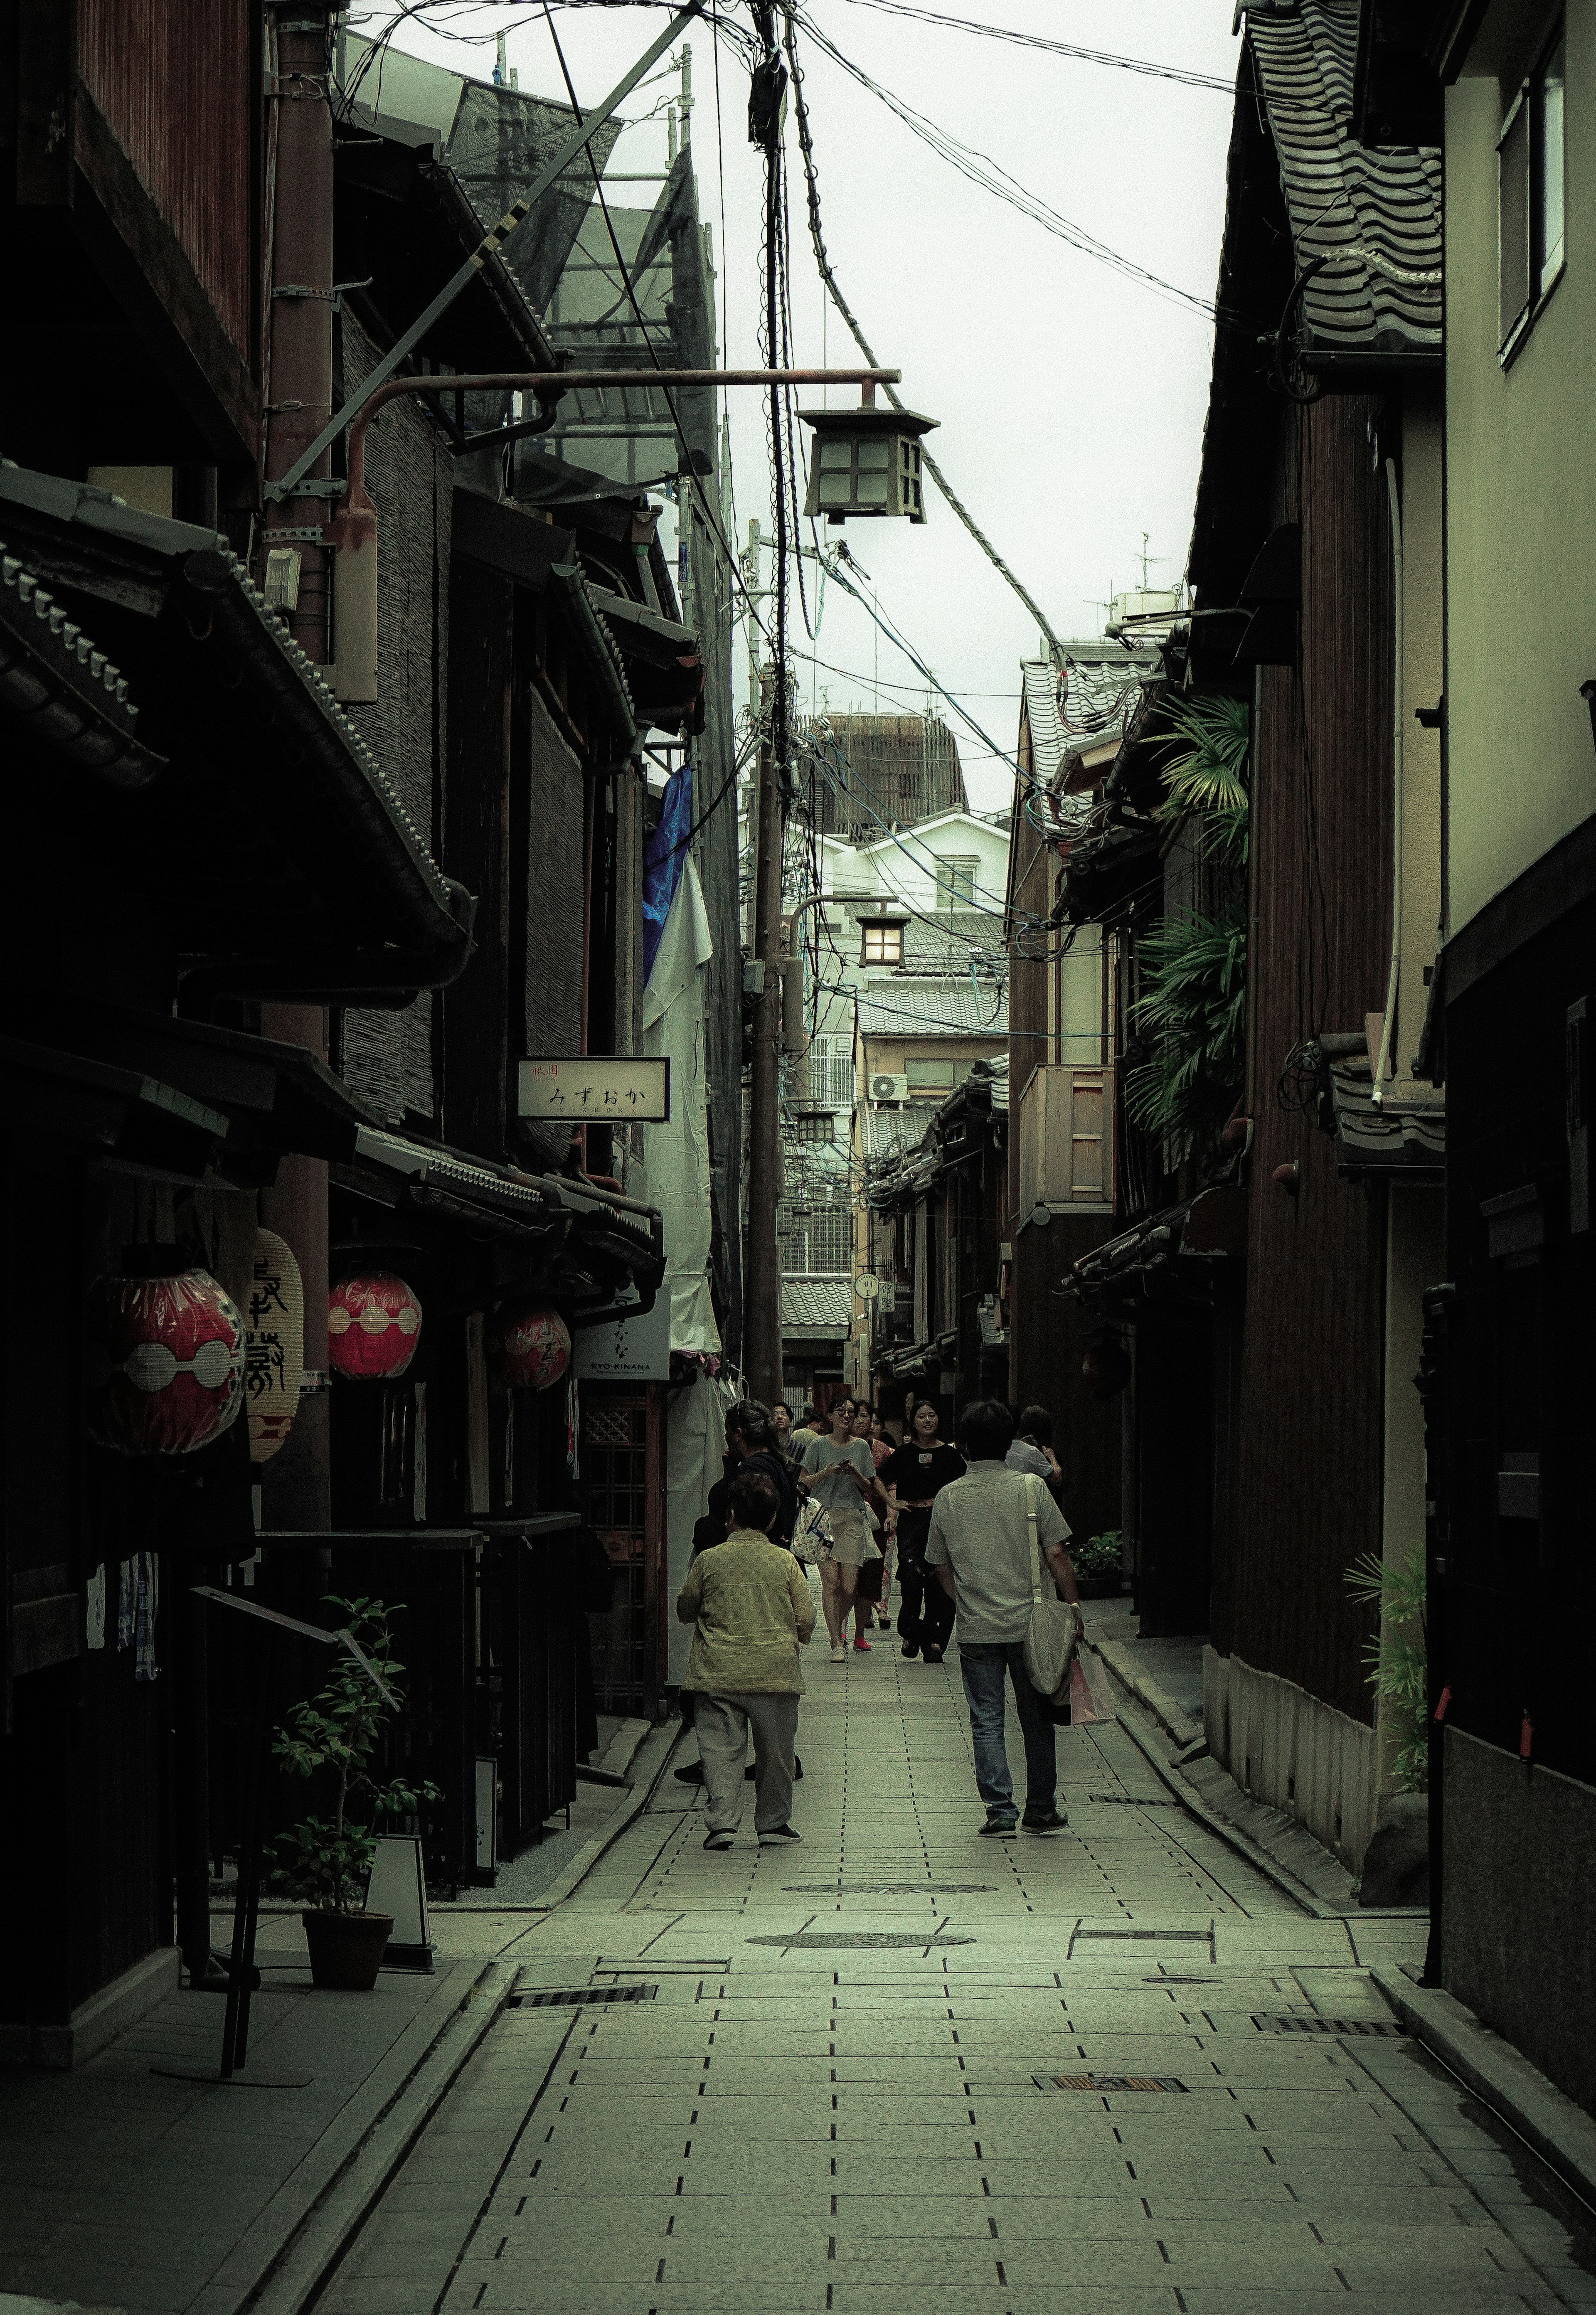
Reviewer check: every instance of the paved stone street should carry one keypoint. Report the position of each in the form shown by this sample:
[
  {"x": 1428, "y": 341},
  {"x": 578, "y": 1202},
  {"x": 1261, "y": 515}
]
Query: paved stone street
[{"x": 903, "y": 2067}]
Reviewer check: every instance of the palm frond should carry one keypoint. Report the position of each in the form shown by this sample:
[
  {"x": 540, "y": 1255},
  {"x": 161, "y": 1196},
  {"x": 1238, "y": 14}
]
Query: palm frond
[{"x": 1208, "y": 776}]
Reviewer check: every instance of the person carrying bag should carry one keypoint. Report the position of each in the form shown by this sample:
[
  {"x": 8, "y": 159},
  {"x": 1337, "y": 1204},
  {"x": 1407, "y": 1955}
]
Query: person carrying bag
[
  {"x": 988, "y": 1531},
  {"x": 1054, "y": 1625}
]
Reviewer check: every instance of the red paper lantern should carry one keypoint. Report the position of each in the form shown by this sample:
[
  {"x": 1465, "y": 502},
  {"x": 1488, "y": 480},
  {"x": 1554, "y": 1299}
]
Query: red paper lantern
[
  {"x": 167, "y": 1361},
  {"x": 537, "y": 1344},
  {"x": 373, "y": 1326}
]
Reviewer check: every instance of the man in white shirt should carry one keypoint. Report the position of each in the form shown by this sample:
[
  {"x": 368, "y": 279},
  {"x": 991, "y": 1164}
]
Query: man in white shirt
[{"x": 980, "y": 1546}]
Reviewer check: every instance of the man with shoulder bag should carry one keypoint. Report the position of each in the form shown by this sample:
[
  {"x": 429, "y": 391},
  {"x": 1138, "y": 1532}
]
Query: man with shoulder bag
[{"x": 997, "y": 1545}]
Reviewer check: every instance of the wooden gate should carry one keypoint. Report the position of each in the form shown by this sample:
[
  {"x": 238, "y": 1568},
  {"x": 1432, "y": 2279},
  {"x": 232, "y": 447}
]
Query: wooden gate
[{"x": 622, "y": 1470}]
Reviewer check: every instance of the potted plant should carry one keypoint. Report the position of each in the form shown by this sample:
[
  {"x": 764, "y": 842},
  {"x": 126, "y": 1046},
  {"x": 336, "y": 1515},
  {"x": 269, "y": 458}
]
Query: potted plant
[
  {"x": 327, "y": 1860},
  {"x": 1098, "y": 1567}
]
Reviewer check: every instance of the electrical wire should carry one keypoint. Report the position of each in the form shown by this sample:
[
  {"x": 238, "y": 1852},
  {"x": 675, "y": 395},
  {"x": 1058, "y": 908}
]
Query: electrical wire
[
  {"x": 982, "y": 170},
  {"x": 828, "y": 275}
]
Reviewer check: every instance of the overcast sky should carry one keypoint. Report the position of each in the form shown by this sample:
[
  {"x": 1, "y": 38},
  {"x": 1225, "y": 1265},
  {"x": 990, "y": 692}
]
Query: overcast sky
[{"x": 1070, "y": 399}]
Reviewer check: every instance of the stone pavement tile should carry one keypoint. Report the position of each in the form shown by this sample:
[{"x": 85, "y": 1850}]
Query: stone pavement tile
[
  {"x": 855, "y": 2298},
  {"x": 1267, "y": 2299}
]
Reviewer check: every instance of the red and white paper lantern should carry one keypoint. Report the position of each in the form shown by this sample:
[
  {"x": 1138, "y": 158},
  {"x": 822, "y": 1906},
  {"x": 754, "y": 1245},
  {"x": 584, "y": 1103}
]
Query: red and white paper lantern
[
  {"x": 165, "y": 1362},
  {"x": 536, "y": 1343},
  {"x": 374, "y": 1324}
]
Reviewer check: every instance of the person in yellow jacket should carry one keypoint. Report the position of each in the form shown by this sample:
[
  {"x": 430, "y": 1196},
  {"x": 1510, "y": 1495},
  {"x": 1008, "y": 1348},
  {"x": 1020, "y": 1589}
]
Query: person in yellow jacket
[{"x": 749, "y": 1603}]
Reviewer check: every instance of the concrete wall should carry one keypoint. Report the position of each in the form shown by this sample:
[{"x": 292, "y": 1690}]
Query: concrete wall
[
  {"x": 1519, "y": 1907},
  {"x": 1416, "y": 1259},
  {"x": 1284, "y": 1747},
  {"x": 1421, "y": 683},
  {"x": 1521, "y": 488}
]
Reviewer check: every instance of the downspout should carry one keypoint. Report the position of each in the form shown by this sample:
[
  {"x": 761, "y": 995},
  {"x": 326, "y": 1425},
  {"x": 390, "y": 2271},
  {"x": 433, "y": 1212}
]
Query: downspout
[{"x": 1382, "y": 1064}]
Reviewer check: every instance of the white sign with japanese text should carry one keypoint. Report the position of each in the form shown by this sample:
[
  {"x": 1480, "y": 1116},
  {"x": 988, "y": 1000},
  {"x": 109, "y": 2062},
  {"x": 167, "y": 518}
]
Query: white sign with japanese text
[
  {"x": 598, "y": 1089},
  {"x": 628, "y": 1350}
]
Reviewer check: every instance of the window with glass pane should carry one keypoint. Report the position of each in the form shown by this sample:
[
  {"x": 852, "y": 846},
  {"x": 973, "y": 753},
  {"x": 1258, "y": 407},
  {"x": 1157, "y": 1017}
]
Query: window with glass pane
[
  {"x": 884, "y": 944},
  {"x": 1548, "y": 140},
  {"x": 930, "y": 1076},
  {"x": 956, "y": 880},
  {"x": 1531, "y": 162}
]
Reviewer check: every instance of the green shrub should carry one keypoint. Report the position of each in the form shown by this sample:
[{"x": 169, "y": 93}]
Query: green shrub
[
  {"x": 1398, "y": 1666},
  {"x": 1098, "y": 1556},
  {"x": 325, "y": 1861}
]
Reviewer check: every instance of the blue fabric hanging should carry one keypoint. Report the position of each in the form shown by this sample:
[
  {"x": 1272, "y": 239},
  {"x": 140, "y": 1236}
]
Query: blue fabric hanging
[{"x": 664, "y": 861}]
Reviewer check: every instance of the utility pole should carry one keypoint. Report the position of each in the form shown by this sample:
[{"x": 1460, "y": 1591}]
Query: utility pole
[{"x": 762, "y": 1336}]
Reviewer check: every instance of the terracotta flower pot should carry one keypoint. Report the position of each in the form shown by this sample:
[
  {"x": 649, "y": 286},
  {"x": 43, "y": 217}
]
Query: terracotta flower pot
[{"x": 346, "y": 1949}]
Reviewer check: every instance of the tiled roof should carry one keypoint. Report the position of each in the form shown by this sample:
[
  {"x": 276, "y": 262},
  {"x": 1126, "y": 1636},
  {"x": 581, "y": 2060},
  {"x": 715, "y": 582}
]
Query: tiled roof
[
  {"x": 818, "y": 1302},
  {"x": 887, "y": 1133},
  {"x": 944, "y": 941},
  {"x": 913, "y": 1005},
  {"x": 1375, "y": 214}
]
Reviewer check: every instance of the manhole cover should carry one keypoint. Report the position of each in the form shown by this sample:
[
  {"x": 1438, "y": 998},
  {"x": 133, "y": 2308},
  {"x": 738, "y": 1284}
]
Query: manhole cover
[
  {"x": 1384, "y": 2027},
  {"x": 579, "y": 1997},
  {"x": 1107, "y": 2082},
  {"x": 832, "y": 1940},
  {"x": 1132, "y": 1800},
  {"x": 887, "y": 1888}
]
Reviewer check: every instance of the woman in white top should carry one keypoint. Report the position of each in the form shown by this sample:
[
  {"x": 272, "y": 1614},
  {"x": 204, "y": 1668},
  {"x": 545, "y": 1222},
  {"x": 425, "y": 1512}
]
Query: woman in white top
[{"x": 839, "y": 1472}]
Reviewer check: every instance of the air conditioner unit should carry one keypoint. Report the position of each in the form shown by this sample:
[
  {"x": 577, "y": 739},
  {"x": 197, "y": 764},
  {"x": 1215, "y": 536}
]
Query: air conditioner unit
[{"x": 886, "y": 1088}]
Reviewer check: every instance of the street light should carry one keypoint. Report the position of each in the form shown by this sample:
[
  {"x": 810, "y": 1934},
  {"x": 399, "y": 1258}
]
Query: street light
[
  {"x": 866, "y": 461},
  {"x": 352, "y": 531}
]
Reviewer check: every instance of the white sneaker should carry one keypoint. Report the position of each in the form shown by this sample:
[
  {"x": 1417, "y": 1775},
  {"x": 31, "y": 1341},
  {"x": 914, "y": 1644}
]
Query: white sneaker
[{"x": 840, "y": 1655}]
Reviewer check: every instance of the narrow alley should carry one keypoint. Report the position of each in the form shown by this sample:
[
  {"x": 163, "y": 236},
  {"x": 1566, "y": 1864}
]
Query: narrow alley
[{"x": 902, "y": 2066}]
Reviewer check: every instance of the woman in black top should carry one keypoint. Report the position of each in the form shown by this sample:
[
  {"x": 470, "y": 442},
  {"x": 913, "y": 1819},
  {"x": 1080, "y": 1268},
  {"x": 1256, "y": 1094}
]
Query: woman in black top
[{"x": 913, "y": 1476}]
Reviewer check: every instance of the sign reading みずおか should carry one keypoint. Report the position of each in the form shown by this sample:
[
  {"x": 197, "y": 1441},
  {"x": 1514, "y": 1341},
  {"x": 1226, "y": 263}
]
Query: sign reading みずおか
[{"x": 598, "y": 1089}]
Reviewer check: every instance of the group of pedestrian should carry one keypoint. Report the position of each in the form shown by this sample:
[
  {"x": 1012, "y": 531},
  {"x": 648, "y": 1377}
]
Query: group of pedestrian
[{"x": 978, "y": 1536}]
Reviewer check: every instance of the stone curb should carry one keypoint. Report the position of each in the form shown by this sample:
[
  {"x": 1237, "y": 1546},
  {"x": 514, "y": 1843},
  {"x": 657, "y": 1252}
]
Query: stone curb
[
  {"x": 1221, "y": 1828},
  {"x": 1551, "y": 2125},
  {"x": 292, "y": 2269},
  {"x": 609, "y": 1833},
  {"x": 1159, "y": 1702}
]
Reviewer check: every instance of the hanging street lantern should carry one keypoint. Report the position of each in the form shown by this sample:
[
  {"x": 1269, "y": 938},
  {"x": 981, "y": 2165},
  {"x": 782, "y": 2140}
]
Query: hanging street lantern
[
  {"x": 274, "y": 1345},
  {"x": 535, "y": 1344},
  {"x": 374, "y": 1324},
  {"x": 165, "y": 1358},
  {"x": 866, "y": 461}
]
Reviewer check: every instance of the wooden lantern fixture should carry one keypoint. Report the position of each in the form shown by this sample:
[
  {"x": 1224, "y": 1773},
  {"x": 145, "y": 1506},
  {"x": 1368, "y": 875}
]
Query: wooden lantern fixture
[
  {"x": 866, "y": 461},
  {"x": 166, "y": 1356},
  {"x": 535, "y": 1342},
  {"x": 374, "y": 1323}
]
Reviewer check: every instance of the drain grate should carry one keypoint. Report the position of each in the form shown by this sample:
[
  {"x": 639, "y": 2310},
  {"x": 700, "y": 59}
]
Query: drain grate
[
  {"x": 851, "y": 1940},
  {"x": 1107, "y": 2082},
  {"x": 1384, "y": 2027},
  {"x": 1132, "y": 1800},
  {"x": 579, "y": 1997},
  {"x": 887, "y": 1888}
]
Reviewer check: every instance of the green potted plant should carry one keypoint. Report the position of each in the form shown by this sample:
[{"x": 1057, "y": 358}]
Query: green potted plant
[
  {"x": 326, "y": 1860},
  {"x": 1097, "y": 1566}
]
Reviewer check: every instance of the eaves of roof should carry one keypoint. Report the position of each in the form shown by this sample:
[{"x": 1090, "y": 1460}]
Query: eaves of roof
[{"x": 265, "y": 773}]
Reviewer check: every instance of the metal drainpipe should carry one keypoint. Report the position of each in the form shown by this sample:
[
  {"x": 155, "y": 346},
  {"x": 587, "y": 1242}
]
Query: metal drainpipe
[
  {"x": 1394, "y": 976},
  {"x": 296, "y": 1484}
]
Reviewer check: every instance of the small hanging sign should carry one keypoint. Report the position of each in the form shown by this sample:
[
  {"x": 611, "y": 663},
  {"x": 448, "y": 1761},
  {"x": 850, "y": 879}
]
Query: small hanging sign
[
  {"x": 274, "y": 1345},
  {"x": 597, "y": 1088}
]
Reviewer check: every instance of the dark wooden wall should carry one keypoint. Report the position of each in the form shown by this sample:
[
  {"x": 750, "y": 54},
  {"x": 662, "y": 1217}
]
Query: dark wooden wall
[
  {"x": 157, "y": 70},
  {"x": 1521, "y": 1361},
  {"x": 1308, "y": 1473}
]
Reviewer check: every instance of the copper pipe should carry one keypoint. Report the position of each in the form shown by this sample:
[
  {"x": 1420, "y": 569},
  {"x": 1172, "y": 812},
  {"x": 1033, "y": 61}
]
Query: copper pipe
[{"x": 574, "y": 380}]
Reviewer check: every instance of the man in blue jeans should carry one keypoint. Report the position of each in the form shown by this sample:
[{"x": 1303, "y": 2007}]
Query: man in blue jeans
[{"x": 980, "y": 1546}]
